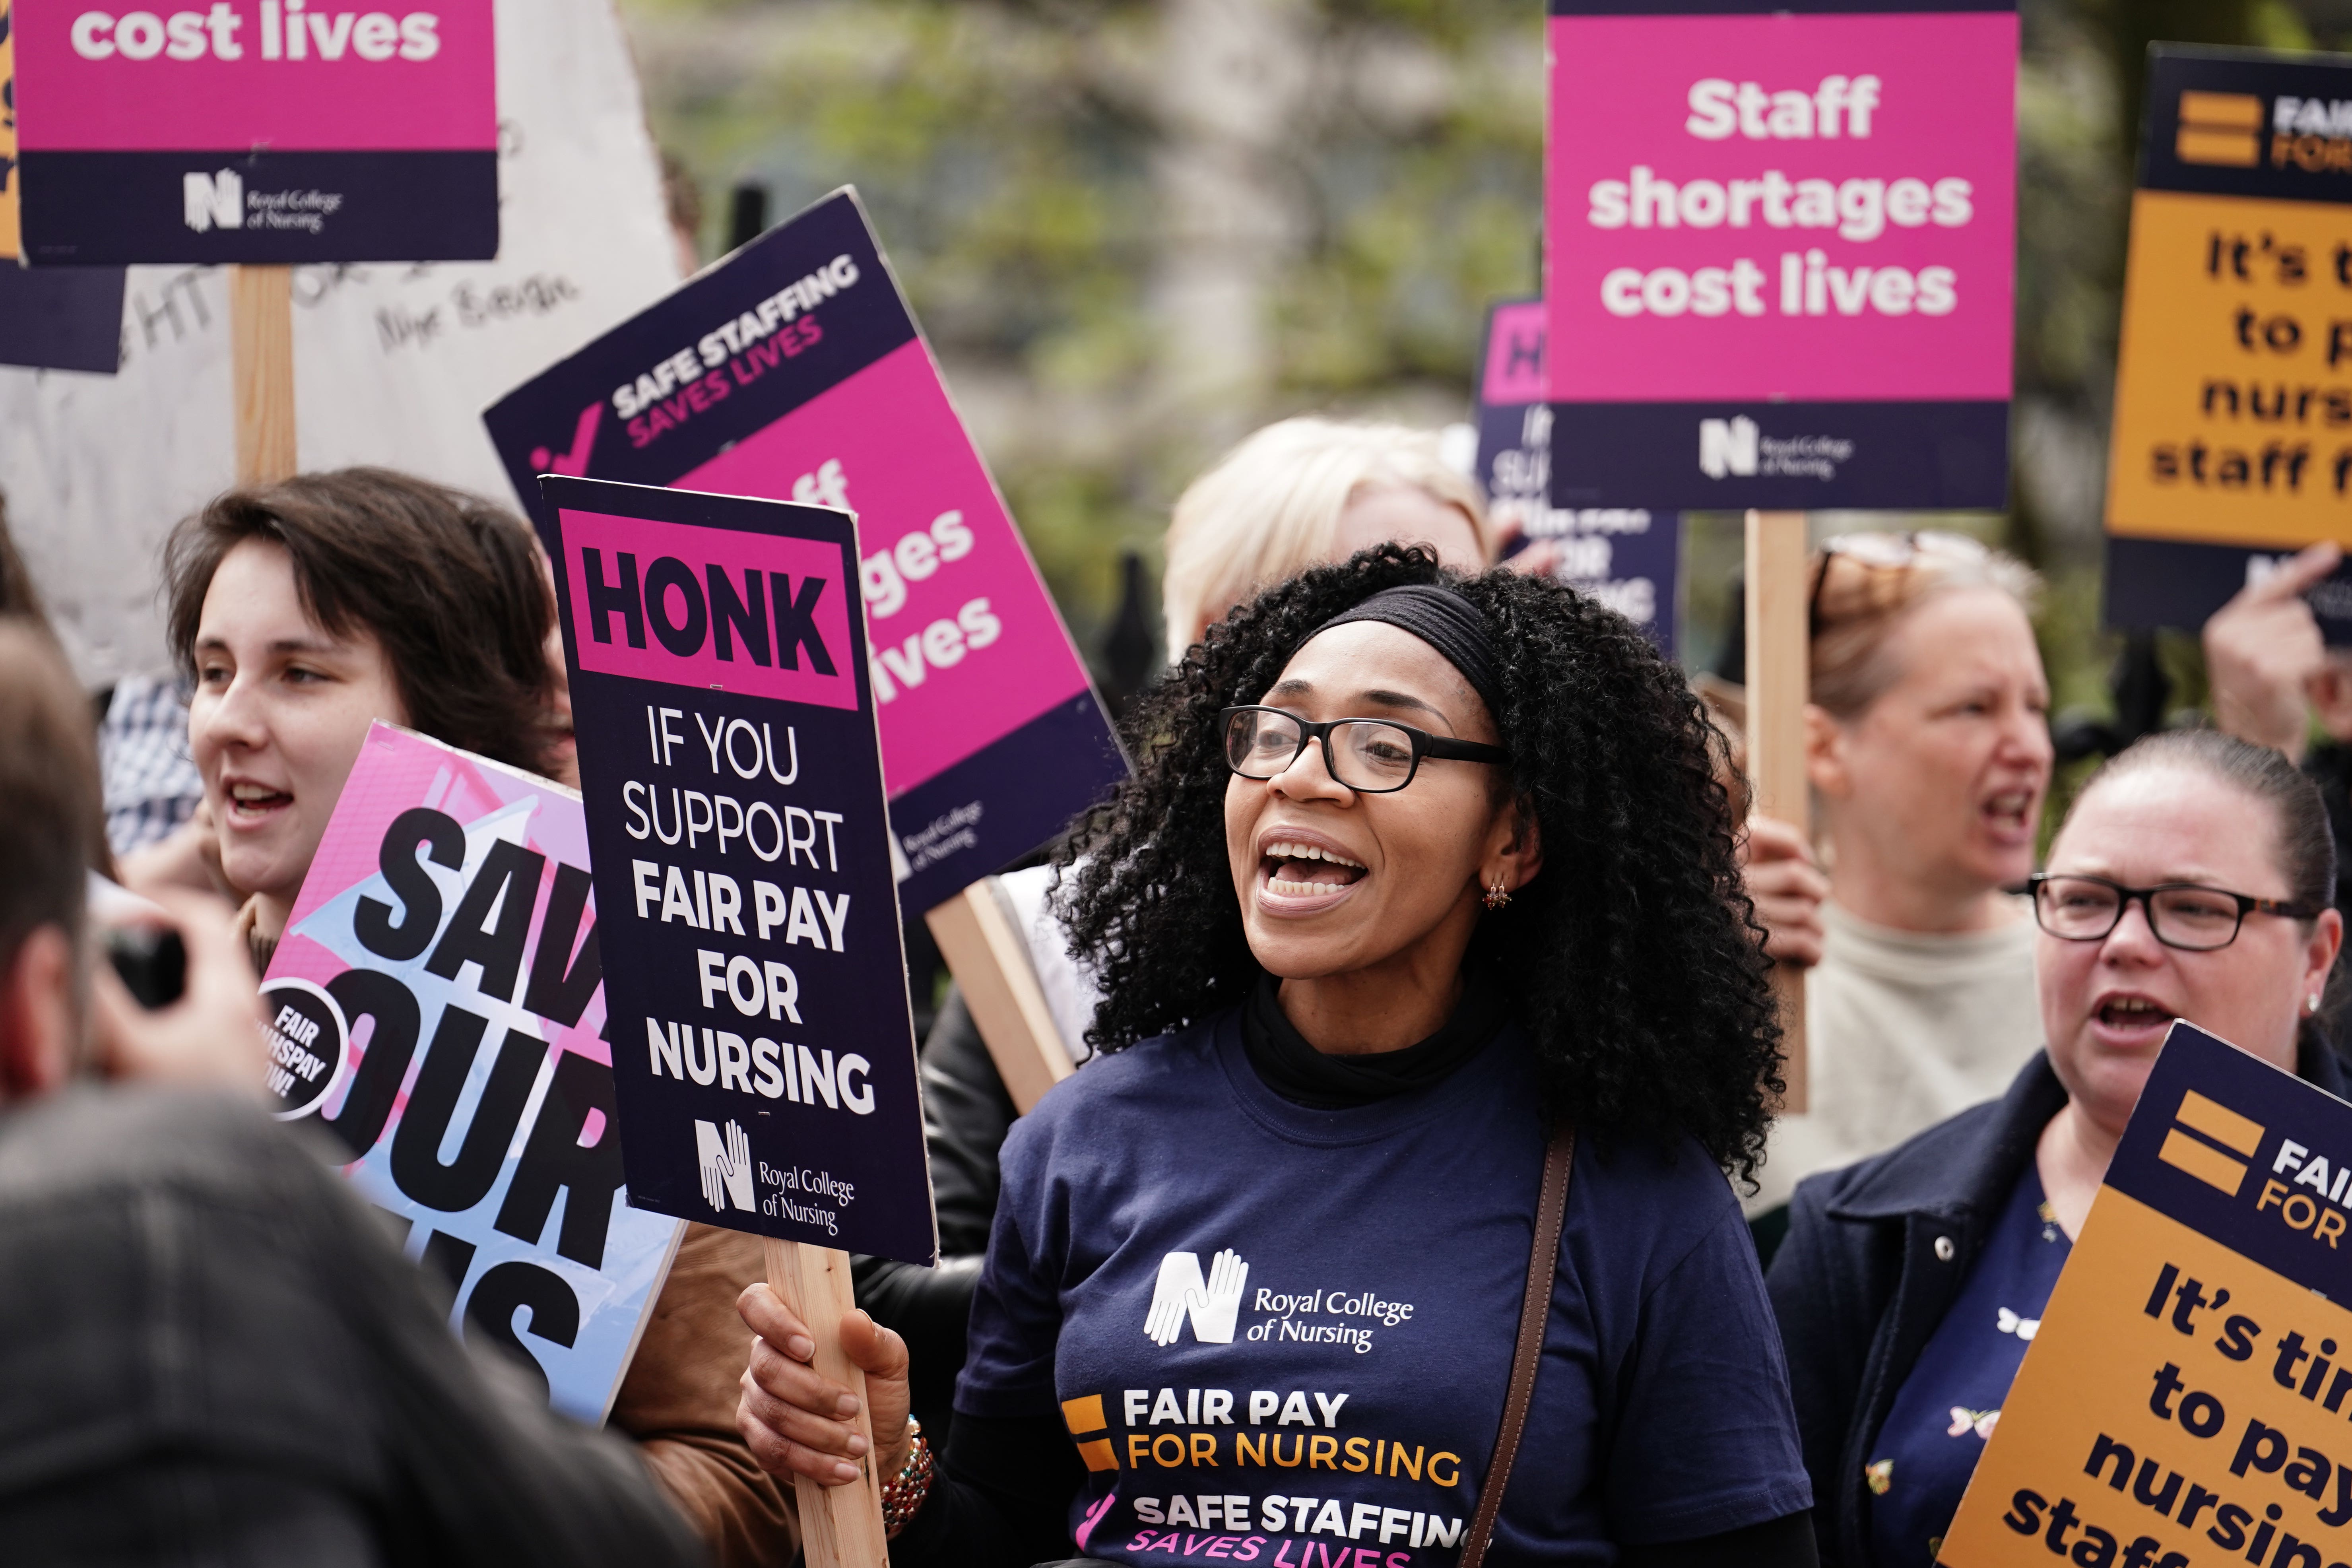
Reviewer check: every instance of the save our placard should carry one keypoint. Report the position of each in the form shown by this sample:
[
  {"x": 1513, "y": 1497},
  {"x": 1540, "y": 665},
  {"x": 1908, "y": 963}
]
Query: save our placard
[
  {"x": 795, "y": 370},
  {"x": 2232, "y": 437},
  {"x": 733, "y": 778},
  {"x": 1779, "y": 252},
  {"x": 2185, "y": 1399},
  {"x": 257, "y": 130},
  {"x": 1625, "y": 556},
  {"x": 437, "y": 1005}
]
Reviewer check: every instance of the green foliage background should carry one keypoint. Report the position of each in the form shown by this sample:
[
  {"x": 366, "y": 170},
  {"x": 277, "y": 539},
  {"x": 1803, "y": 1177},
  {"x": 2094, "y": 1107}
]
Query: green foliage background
[{"x": 1015, "y": 155}]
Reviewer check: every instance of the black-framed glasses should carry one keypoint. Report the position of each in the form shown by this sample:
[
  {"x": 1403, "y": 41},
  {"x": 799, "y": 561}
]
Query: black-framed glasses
[
  {"x": 1371, "y": 756},
  {"x": 2186, "y": 915}
]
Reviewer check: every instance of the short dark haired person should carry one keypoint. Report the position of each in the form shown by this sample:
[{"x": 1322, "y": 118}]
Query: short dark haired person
[
  {"x": 305, "y": 609},
  {"x": 210, "y": 1353},
  {"x": 2191, "y": 880},
  {"x": 1414, "y": 869}
]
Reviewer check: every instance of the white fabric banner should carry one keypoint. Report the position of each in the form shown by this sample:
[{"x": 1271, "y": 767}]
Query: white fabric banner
[{"x": 392, "y": 364}]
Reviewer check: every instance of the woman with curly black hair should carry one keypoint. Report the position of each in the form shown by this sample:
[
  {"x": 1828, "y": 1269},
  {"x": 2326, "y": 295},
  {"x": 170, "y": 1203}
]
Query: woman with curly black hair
[{"x": 1421, "y": 901}]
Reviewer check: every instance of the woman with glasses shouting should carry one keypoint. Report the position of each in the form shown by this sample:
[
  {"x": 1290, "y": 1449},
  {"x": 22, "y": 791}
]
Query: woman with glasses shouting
[
  {"x": 1434, "y": 1015},
  {"x": 2190, "y": 880}
]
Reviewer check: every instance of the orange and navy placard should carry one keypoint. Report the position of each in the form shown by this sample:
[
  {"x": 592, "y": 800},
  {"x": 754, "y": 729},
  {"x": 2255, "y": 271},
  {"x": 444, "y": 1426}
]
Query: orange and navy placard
[
  {"x": 2232, "y": 436},
  {"x": 2188, "y": 1399}
]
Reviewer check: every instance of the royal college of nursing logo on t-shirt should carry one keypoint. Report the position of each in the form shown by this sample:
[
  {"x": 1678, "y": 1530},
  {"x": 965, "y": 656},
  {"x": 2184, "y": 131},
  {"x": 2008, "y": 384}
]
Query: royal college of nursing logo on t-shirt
[{"x": 1213, "y": 1304}]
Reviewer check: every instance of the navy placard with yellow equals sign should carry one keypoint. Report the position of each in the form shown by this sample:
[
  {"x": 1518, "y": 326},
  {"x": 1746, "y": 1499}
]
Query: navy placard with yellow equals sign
[{"x": 2188, "y": 1398}]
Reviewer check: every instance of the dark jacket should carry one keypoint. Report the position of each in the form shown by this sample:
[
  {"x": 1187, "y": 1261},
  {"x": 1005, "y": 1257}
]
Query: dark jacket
[
  {"x": 1875, "y": 1255},
  {"x": 212, "y": 1352}
]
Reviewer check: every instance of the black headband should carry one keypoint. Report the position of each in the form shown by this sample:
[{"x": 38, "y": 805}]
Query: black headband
[{"x": 1447, "y": 622}]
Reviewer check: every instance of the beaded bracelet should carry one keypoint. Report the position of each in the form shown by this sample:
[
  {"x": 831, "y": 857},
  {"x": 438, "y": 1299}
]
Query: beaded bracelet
[{"x": 903, "y": 1494}]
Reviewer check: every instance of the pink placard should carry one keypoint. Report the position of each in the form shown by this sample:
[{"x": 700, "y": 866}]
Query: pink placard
[
  {"x": 226, "y": 76},
  {"x": 1812, "y": 207},
  {"x": 1515, "y": 355},
  {"x": 716, "y": 607},
  {"x": 966, "y": 646}
]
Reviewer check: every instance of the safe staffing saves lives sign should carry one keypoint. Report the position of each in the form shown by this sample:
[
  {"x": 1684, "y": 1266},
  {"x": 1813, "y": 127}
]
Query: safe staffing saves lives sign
[
  {"x": 437, "y": 1005},
  {"x": 762, "y": 1044},
  {"x": 257, "y": 130},
  {"x": 2233, "y": 440},
  {"x": 2184, "y": 1401},
  {"x": 794, "y": 370},
  {"x": 1779, "y": 252}
]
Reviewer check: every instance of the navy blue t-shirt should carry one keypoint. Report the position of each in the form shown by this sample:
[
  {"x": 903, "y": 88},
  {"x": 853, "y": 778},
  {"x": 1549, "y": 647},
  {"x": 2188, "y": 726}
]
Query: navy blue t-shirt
[
  {"x": 1936, "y": 1430},
  {"x": 1283, "y": 1336}
]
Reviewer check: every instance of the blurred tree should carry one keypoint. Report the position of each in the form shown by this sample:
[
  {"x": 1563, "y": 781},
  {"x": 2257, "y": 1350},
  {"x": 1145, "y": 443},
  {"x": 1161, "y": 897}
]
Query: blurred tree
[{"x": 1136, "y": 230}]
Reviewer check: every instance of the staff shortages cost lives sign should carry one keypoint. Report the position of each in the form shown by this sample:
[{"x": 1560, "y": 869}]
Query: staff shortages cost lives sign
[
  {"x": 257, "y": 130},
  {"x": 1779, "y": 252}
]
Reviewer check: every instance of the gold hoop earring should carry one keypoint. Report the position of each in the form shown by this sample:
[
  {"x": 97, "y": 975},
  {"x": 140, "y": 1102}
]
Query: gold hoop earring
[{"x": 1497, "y": 895}]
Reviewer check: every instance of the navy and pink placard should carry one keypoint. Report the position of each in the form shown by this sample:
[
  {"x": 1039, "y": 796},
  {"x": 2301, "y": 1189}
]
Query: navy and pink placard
[
  {"x": 257, "y": 130},
  {"x": 1627, "y": 557},
  {"x": 795, "y": 370},
  {"x": 1779, "y": 252},
  {"x": 738, "y": 839}
]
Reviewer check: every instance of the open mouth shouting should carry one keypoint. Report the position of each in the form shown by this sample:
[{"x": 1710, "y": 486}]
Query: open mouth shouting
[
  {"x": 1305, "y": 872},
  {"x": 2130, "y": 1021},
  {"x": 2009, "y": 815}
]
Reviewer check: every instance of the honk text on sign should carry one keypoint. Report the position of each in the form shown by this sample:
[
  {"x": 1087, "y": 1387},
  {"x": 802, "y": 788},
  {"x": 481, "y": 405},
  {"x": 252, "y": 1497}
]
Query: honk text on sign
[
  {"x": 762, "y": 1043},
  {"x": 438, "y": 1007},
  {"x": 794, "y": 370},
  {"x": 1625, "y": 556},
  {"x": 2233, "y": 440},
  {"x": 257, "y": 130},
  {"x": 1778, "y": 268},
  {"x": 2185, "y": 1399}
]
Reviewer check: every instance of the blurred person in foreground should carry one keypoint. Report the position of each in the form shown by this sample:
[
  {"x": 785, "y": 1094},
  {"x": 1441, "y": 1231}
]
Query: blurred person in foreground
[
  {"x": 2190, "y": 880},
  {"x": 211, "y": 1353},
  {"x": 1928, "y": 746},
  {"x": 302, "y": 612}
]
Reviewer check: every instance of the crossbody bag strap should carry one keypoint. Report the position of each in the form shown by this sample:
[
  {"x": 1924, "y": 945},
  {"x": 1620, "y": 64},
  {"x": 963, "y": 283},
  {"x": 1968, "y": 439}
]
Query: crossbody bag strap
[{"x": 1534, "y": 1310}]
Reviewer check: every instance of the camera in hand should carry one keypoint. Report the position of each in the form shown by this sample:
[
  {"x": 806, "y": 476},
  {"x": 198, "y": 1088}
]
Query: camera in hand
[{"x": 152, "y": 962}]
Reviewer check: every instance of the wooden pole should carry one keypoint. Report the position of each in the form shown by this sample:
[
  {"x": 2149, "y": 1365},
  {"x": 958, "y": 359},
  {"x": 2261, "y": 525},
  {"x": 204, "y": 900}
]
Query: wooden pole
[
  {"x": 262, "y": 361},
  {"x": 983, "y": 949},
  {"x": 841, "y": 1527},
  {"x": 1779, "y": 660}
]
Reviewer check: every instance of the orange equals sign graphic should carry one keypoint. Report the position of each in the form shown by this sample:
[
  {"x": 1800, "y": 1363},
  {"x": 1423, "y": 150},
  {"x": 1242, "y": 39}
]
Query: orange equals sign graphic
[
  {"x": 2219, "y": 128},
  {"x": 1088, "y": 1429}
]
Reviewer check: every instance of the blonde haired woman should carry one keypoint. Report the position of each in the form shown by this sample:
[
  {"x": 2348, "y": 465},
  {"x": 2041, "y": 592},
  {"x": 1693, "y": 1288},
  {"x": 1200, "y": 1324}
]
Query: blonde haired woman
[
  {"x": 1928, "y": 745},
  {"x": 1303, "y": 493}
]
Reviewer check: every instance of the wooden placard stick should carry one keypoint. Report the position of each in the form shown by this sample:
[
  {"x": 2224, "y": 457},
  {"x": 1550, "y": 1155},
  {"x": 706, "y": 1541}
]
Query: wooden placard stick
[
  {"x": 261, "y": 361},
  {"x": 1779, "y": 661},
  {"x": 984, "y": 951},
  {"x": 841, "y": 1527}
]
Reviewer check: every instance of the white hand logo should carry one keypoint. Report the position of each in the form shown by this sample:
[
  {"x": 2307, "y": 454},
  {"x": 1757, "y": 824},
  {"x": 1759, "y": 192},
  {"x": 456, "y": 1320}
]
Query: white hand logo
[
  {"x": 1212, "y": 1305},
  {"x": 726, "y": 1169}
]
